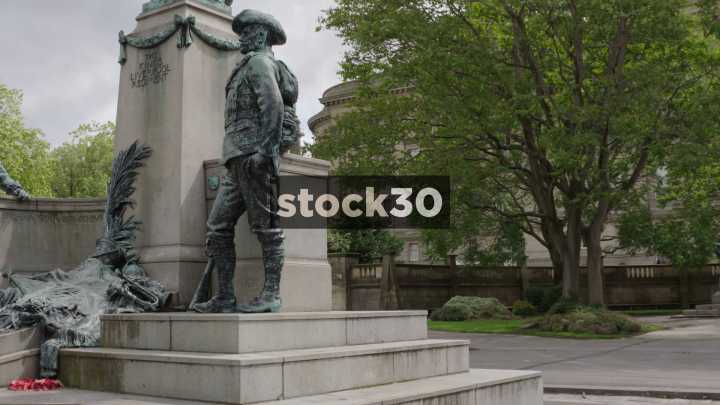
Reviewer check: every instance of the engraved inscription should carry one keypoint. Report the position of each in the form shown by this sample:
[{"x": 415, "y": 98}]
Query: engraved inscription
[
  {"x": 151, "y": 70},
  {"x": 52, "y": 218}
]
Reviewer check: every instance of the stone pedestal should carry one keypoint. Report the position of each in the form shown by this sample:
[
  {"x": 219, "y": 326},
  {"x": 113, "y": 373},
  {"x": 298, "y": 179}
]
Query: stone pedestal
[
  {"x": 179, "y": 114},
  {"x": 334, "y": 357},
  {"x": 704, "y": 311}
]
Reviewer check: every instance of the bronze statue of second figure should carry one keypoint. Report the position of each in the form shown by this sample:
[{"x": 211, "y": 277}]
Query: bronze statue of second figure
[
  {"x": 259, "y": 127},
  {"x": 10, "y": 186}
]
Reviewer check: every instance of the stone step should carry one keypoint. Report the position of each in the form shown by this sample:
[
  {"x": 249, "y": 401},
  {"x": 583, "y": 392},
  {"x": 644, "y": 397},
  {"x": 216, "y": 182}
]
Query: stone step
[
  {"x": 476, "y": 387},
  {"x": 259, "y": 377},
  {"x": 700, "y": 312},
  {"x": 255, "y": 333},
  {"x": 19, "y": 355},
  {"x": 486, "y": 387},
  {"x": 23, "y": 364},
  {"x": 20, "y": 340},
  {"x": 708, "y": 307}
]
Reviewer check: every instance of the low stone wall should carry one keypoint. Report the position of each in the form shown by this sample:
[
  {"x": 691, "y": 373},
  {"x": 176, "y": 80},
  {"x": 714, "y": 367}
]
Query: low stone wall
[
  {"x": 44, "y": 234},
  {"x": 359, "y": 286}
]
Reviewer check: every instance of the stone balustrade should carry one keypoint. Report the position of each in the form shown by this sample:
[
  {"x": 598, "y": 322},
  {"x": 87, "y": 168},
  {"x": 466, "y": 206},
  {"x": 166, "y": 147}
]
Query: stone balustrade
[{"x": 430, "y": 286}]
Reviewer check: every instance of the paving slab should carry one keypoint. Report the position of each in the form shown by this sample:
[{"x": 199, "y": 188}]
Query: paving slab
[
  {"x": 80, "y": 397},
  {"x": 567, "y": 399}
]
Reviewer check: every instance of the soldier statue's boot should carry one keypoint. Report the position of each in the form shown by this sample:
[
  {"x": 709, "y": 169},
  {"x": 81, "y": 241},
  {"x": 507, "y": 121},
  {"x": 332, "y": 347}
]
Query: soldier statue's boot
[
  {"x": 269, "y": 299},
  {"x": 224, "y": 301}
]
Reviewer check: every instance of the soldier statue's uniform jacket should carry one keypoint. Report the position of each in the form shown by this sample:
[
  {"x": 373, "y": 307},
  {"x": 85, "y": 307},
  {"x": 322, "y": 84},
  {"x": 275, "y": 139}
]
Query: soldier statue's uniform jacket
[
  {"x": 7, "y": 184},
  {"x": 259, "y": 112},
  {"x": 259, "y": 117}
]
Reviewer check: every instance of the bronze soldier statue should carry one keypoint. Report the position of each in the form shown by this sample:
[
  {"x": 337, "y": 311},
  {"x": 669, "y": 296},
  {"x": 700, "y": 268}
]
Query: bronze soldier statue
[
  {"x": 12, "y": 187},
  {"x": 259, "y": 127}
]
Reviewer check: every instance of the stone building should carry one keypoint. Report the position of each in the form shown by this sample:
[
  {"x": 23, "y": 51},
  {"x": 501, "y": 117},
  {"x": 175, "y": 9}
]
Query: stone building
[{"x": 335, "y": 100}]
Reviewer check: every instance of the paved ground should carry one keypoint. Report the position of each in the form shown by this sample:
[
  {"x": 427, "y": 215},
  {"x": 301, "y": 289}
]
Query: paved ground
[
  {"x": 78, "y": 397},
  {"x": 565, "y": 399},
  {"x": 687, "y": 357}
]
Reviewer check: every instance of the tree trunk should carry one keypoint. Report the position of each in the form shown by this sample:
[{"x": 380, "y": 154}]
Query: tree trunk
[
  {"x": 594, "y": 265},
  {"x": 555, "y": 257},
  {"x": 571, "y": 273},
  {"x": 571, "y": 252},
  {"x": 524, "y": 276},
  {"x": 593, "y": 236},
  {"x": 557, "y": 266}
]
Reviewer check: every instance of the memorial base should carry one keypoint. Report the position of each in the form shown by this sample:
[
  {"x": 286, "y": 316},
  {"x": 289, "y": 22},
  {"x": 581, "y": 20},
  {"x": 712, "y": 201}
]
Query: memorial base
[
  {"x": 710, "y": 310},
  {"x": 19, "y": 355},
  {"x": 343, "y": 357}
]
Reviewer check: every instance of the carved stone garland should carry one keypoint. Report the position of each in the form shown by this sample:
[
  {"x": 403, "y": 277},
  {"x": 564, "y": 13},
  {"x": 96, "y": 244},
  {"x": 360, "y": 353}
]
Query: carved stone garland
[{"x": 184, "y": 27}]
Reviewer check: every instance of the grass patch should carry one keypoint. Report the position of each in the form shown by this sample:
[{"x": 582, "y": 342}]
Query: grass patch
[
  {"x": 653, "y": 312},
  {"x": 502, "y": 326}
]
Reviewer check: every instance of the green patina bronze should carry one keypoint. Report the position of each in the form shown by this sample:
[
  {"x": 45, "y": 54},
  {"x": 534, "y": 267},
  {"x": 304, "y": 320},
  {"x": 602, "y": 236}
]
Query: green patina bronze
[
  {"x": 184, "y": 28},
  {"x": 10, "y": 186},
  {"x": 214, "y": 182},
  {"x": 259, "y": 127},
  {"x": 68, "y": 305},
  {"x": 219, "y": 5}
]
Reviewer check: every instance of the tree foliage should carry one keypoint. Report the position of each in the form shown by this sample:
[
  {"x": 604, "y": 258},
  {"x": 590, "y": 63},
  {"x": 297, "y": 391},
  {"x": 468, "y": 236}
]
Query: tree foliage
[
  {"x": 23, "y": 151},
  {"x": 690, "y": 187},
  {"x": 83, "y": 166},
  {"x": 687, "y": 240},
  {"x": 498, "y": 244},
  {"x": 544, "y": 112},
  {"x": 368, "y": 236}
]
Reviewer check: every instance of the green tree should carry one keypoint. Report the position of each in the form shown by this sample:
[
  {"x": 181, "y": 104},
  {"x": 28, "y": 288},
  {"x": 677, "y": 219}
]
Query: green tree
[
  {"x": 337, "y": 241},
  {"x": 690, "y": 187},
  {"x": 686, "y": 240},
  {"x": 496, "y": 245},
  {"x": 23, "y": 151},
  {"x": 82, "y": 167},
  {"x": 544, "y": 112},
  {"x": 368, "y": 236}
]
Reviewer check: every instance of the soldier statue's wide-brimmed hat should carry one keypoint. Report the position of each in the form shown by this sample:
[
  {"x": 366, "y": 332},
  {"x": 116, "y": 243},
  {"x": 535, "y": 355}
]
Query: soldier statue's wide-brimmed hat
[{"x": 249, "y": 17}]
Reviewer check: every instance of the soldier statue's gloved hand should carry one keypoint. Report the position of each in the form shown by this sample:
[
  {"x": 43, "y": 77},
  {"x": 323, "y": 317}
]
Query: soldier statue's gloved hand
[
  {"x": 21, "y": 195},
  {"x": 255, "y": 161}
]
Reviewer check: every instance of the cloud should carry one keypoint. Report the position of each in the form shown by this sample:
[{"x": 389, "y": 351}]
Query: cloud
[{"x": 63, "y": 55}]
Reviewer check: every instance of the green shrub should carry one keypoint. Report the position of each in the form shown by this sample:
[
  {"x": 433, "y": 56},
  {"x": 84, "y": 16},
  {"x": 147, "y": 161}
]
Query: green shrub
[
  {"x": 592, "y": 317},
  {"x": 566, "y": 305},
  {"x": 534, "y": 295},
  {"x": 523, "y": 308},
  {"x": 460, "y": 308},
  {"x": 624, "y": 323},
  {"x": 551, "y": 298}
]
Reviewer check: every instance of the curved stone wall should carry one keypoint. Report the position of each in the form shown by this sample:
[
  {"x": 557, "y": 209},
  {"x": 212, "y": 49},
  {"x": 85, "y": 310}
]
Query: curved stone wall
[{"x": 44, "y": 234}]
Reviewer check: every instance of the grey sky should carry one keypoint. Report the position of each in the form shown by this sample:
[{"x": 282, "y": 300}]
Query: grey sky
[{"x": 63, "y": 55}]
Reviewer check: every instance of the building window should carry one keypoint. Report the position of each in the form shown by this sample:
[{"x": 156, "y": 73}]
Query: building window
[
  {"x": 472, "y": 242},
  {"x": 661, "y": 182},
  {"x": 414, "y": 252}
]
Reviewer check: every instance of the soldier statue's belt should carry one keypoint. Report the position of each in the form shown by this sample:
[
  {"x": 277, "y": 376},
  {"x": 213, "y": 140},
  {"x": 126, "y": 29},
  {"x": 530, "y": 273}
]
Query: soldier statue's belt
[{"x": 245, "y": 115}]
